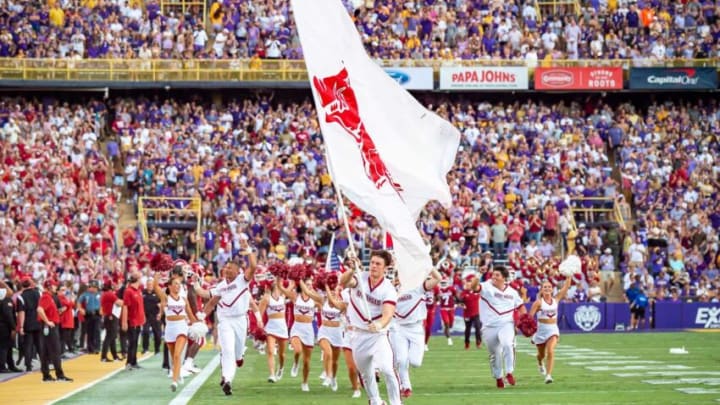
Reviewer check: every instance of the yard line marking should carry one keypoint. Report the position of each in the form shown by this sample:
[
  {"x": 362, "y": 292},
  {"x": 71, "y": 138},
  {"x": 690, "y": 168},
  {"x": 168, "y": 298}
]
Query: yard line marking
[
  {"x": 187, "y": 393},
  {"x": 519, "y": 393},
  {"x": 706, "y": 381},
  {"x": 667, "y": 373},
  {"x": 611, "y": 362},
  {"x": 698, "y": 391},
  {"x": 651, "y": 367}
]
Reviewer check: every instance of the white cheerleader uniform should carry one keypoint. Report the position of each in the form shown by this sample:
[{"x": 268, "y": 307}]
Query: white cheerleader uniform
[
  {"x": 546, "y": 330},
  {"x": 347, "y": 329},
  {"x": 276, "y": 327},
  {"x": 173, "y": 329},
  {"x": 333, "y": 334},
  {"x": 303, "y": 330}
]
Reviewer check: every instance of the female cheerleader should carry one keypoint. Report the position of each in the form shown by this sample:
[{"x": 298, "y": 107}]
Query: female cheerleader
[
  {"x": 548, "y": 334},
  {"x": 341, "y": 303},
  {"x": 273, "y": 305},
  {"x": 302, "y": 335},
  {"x": 330, "y": 337},
  {"x": 177, "y": 312}
]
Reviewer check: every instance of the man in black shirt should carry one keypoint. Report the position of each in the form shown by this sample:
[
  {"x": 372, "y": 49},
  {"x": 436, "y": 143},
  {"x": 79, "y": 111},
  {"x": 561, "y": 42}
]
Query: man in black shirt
[
  {"x": 27, "y": 318},
  {"x": 151, "y": 302},
  {"x": 7, "y": 330}
]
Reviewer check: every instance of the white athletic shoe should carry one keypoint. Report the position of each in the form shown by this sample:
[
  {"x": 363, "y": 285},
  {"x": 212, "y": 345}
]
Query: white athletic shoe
[
  {"x": 272, "y": 379},
  {"x": 541, "y": 369},
  {"x": 548, "y": 379},
  {"x": 304, "y": 388},
  {"x": 450, "y": 342},
  {"x": 326, "y": 382},
  {"x": 294, "y": 370},
  {"x": 194, "y": 369},
  {"x": 323, "y": 375},
  {"x": 279, "y": 374},
  {"x": 427, "y": 349},
  {"x": 185, "y": 373},
  {"x": 173, "y": 386},
  {"x": 170, "y": 374},
  {"x": 333, "y": 384},
  {"x": 356, "y": 394}
]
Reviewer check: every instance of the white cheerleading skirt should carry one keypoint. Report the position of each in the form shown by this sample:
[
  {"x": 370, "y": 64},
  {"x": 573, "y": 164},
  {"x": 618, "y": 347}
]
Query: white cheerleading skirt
[
  {"x": 346, "y": 339},
  {"x": 334, "y": 335},
  {"x": 544, "y": 333},
  {"x": 304, "y": 331},
  {"x": 173, "y": 329},
  {"x": 277, "y": 328}
]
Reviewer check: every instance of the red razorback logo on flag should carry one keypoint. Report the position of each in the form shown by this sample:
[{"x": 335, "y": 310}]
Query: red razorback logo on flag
[{"x": 340, "y": 104}]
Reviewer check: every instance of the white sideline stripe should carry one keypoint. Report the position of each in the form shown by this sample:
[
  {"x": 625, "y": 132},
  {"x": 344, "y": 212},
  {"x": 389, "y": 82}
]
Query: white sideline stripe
[
  {"x": 706, "y": 381},
  {"x": 698, "y": 391},
  {"x": 93, "y": 383},
  {"x": 610, "y": 362},
  {"x": 520, "y": 393},
  {"x": 667, "y": 373},
  {"x": 187, "y": 393},
  {"x": 595, "y": 358},
  {"x": 650, "y": 367}
]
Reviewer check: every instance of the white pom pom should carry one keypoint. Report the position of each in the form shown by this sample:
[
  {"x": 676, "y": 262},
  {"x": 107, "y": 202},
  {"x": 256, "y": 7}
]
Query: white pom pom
[
  {"x": 570, "y": 266},
  {"x": 197, "y": 331},
  {"x": 200, "y": 316}
]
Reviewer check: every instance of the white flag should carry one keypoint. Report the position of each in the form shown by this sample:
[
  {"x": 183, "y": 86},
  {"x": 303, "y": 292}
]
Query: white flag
[{"x": 386, "y": 152}]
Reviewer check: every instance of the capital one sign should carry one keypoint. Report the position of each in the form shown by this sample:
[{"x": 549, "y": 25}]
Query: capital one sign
[{"x": 708, "y": 317}]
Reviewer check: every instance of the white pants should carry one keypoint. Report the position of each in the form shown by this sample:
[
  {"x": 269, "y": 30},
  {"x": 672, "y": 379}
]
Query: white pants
[
  {"x": 500, "y": 342},
  {"x": 408, "y": 343},
  {"x": 231, "y": 336},
  {"x": 371, "y": 351}
]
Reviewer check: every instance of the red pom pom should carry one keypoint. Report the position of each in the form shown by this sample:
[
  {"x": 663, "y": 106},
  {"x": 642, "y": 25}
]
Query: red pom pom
[
  {"x": 526, "y": 324},
  {"x": 259, "y": 335},
  {"x": 161, "y": 262},
  {"x": 279, "y": 270},
  {"x": 319, "y": 281},
  {"x": 332, "y": 280}
]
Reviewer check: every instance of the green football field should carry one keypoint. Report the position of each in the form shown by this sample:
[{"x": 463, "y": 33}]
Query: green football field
[{"x": 621, "y": 368}]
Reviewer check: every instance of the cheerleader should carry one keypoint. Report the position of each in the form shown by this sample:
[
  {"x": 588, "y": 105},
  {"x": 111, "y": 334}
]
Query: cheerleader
[
  {"x": 177, "y": 312},
  {"x": 273, "y": 305},
  {"x": 341, "y": 303},
  {"x": 330, "y": 335},
  {"x": 302, "y": 335},
  {"x": 548, "y": 334}
]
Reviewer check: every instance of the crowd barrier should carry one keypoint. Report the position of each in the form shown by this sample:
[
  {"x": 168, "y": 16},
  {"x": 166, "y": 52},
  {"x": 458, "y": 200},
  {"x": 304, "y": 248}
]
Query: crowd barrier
[{"x": 604, "y": 317}]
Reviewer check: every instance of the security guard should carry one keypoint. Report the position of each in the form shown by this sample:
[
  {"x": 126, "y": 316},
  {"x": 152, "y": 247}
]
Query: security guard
[{"x": 91, "y": 311}]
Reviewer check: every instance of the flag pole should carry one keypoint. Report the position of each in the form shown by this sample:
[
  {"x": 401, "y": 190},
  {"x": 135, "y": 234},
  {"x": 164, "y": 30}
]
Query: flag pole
[
  {"x": 343, "y": 217},
  {"x": 328, "y": 260}
]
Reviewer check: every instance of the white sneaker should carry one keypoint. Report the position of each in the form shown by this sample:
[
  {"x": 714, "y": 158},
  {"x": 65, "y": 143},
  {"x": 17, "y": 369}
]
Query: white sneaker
[
  {"x": 294, "y": 370},
  {"x": 272, "y": 379},
  {"x": 356, "y": 394},
  {"x": 450, "y": 342},
  {"x": 304, "y": 388},
  {"x": 170, "y": 374},
  {"x": 279, "y": 374},
  {"x": 194, "y": 369},
  {"x": 548, "y": 379},
  {"x": 326, "y": 382},
  {"x": 333, "y": 384},
  {"x": 184, "y": 373},
  {"x": 323, "y": 375},
  {"x": 541, "y": 369},
  {"x": 427, "y": 349}
]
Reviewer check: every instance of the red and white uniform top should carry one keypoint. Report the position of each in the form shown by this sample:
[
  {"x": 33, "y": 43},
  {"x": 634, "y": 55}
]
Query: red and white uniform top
[
  {"x": 303, "y": 307},
  {"x": 175, "y": 307},
  {"x": 447, "y": 298},
  {"x": 430, "y": 297},
  {"x": 410, "y": 306},
  {"x": 376, "y": 296},
  {"x": 275, "y": 306},
  {"x": 330, "y": 313},
  {"x": 234, "y": 298},
  {"x": 497, "y": 306},
  {"x": 548, "y": 311}
]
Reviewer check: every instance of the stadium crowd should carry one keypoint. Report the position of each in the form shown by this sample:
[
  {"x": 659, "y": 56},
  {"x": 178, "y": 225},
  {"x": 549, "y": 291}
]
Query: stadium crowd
[
  {"x": 257, "y": 163},
  {"x": 644, "y": 31}
]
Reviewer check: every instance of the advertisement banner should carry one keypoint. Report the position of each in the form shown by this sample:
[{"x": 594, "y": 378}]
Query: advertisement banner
[
  {"x": 483, "y": 78},
  {"x": 686, "y": 78},
  {"x": 413, "y": 78},
  {"x": 579, "y": 78}
]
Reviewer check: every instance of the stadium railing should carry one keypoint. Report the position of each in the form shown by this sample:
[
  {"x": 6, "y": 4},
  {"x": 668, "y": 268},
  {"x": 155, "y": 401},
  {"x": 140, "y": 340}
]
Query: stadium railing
[{"x": 259, "y": 69}]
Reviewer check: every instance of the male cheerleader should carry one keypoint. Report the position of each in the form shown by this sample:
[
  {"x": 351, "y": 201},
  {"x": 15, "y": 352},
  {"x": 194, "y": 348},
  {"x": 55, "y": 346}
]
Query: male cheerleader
[
  {"x": 498, "y": 302},
  {"x": 369, "y": 320},
  {"x": 232, "y": 298}
]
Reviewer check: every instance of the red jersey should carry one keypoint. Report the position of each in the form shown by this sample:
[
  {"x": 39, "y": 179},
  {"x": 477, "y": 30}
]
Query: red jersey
[
  {"x": 136, "y": 310},
  {"x": 447, "y": 297},
  {"x": 471, "y": 301},
  {"x": 47, "y": 303},
  {"x": 67, "y": 320},
  {"x": 107, "y": 300},
  {"x": 431, "y": 297}
]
